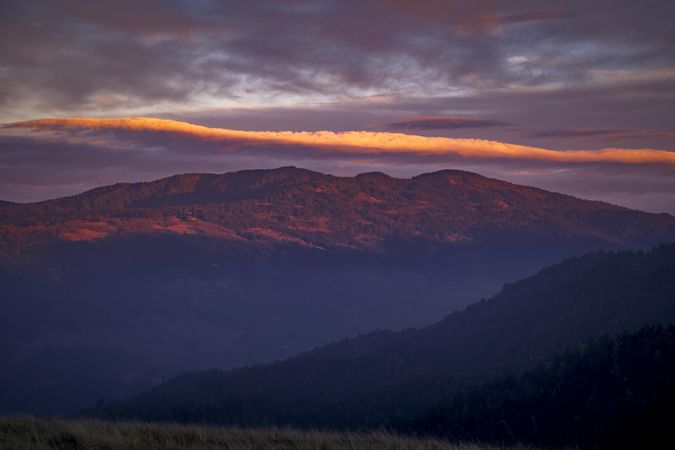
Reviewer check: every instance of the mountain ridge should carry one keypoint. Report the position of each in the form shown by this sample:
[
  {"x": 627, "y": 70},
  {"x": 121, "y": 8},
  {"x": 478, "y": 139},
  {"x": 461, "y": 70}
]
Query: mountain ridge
[
  {"x": 289, "y": 170},
  {"x": 304, "y": 207}
]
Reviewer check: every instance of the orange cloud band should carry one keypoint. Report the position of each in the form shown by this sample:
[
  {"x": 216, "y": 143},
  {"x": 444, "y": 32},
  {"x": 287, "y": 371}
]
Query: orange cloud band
[{"x": 363, "y": 141}]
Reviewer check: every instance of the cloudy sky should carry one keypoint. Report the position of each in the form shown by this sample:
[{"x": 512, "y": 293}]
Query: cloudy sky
[{"x": 575, "y": 96}]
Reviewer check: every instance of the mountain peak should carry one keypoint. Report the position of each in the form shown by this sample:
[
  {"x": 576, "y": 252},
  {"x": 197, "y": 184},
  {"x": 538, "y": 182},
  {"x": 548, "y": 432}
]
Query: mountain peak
[
  {"x": 288, "y": 171},
  {"x": 373, "y": 176},
  {"x": 452, "y": 176}
]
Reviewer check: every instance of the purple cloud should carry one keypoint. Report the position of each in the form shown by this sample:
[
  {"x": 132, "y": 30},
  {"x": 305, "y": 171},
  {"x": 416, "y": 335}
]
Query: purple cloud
[
  {"x": 614, "y": 134},
  {"x": 444, "y": 123}
]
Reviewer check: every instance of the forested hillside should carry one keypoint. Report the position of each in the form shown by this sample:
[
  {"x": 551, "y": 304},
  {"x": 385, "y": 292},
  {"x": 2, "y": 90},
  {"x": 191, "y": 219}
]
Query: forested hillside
[
  {"x": 615, "y": 393},
  {"x": 390, "y": 377}
]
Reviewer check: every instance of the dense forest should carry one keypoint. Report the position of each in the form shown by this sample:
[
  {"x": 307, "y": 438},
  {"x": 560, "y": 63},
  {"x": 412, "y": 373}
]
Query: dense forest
[
  {"x": 614, "y": 393},
  {"x": 394, "y": 378}
]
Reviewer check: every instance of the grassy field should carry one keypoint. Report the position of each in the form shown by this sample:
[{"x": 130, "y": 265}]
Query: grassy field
[{"x": 37, "y": 434}]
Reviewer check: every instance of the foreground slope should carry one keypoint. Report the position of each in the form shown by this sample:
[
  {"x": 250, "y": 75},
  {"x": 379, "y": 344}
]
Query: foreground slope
[
  {"x": 374, "y": 379},
  {"x": 28, "y": 433},
  {"x": 109, "y": 292}
]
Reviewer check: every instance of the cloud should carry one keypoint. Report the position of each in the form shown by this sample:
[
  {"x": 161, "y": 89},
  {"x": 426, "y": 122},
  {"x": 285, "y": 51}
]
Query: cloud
[
  {"x": 614, "y": 134},
  {"x": 354, "y": 142},
  {"x": 141, "y": 56},
  {"x": 443, "y": 123},
  {"x": 49, "y": 158},
  {"x": 574, "y": 74}
]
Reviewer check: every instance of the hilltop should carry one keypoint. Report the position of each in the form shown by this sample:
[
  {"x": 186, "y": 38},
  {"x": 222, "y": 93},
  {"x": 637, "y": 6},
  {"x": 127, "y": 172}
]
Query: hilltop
[{"x": 371, "y": 211}]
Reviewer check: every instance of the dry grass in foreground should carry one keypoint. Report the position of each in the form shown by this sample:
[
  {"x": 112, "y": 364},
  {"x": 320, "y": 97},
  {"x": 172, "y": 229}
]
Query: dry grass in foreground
[{"x": 39, "y": 434}]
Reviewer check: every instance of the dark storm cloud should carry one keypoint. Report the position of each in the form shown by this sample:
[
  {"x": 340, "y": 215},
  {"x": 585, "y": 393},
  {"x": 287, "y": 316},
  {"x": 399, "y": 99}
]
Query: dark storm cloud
[{"x": 70, "y": 55}]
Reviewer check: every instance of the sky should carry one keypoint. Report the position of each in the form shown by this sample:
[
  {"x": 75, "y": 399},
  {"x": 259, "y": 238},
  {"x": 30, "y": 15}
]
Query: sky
[{"x": 575, "y": 96}]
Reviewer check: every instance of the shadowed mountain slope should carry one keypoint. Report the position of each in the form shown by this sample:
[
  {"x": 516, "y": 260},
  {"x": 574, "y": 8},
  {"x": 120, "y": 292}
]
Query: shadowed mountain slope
[
  {"x": 614, "y": 393},
  {"x": 387, "y": 376}
]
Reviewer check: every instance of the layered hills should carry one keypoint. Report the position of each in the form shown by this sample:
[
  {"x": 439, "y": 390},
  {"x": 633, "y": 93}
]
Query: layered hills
[
  {"x": 391, "y": 378},
  {"x": 111, "y": 291}
]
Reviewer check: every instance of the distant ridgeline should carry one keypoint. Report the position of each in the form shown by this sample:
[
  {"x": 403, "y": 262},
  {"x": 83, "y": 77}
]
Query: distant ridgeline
[
  {"x": 478, "y": 373},
  {"x": 107, "y": 293}
]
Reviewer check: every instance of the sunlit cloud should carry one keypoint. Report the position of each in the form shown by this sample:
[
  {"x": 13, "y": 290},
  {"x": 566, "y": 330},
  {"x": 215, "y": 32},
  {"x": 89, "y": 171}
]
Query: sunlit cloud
[
  {"x": 48, "y": 159},
  {"x": 360, "y": 142}
]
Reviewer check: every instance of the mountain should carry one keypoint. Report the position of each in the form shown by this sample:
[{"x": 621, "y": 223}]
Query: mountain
[
  {"x": 390, "y": 377},
  {"x": 109, "y": 292},
  {"x": 371, "y": 211}
]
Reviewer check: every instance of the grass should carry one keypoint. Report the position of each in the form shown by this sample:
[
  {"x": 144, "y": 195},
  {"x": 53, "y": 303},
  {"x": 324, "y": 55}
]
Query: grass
[{"x": 23, "y": 432}]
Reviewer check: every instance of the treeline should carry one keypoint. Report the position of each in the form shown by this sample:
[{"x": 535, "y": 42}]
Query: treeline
[{"x": 615, "y": 393}]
